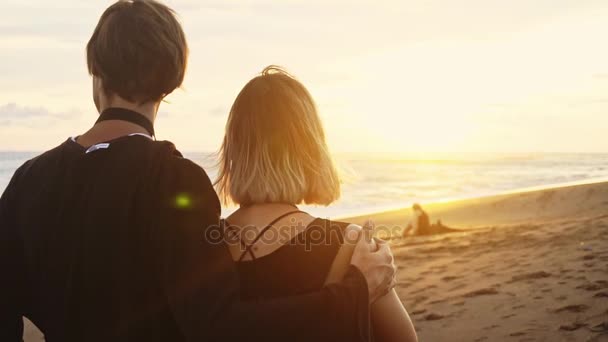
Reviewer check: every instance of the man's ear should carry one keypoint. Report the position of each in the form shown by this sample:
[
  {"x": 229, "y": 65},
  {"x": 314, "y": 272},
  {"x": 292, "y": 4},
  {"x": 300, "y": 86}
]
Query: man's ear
[
  {"x": 100, "y": 97},
  {"x": 96, "y": 87}
]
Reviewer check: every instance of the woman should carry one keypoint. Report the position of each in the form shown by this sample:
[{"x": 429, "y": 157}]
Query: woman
[{"x": 274, "y": 157}]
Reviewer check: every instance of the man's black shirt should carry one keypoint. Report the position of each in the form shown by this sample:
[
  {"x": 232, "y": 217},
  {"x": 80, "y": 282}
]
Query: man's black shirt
[{"x": 120, "y": 243}]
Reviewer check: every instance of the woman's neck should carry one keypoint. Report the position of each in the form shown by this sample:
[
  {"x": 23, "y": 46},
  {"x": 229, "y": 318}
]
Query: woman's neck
[
  {"x": 259, "y": 214},
  {"x": 271, "y": 205}
]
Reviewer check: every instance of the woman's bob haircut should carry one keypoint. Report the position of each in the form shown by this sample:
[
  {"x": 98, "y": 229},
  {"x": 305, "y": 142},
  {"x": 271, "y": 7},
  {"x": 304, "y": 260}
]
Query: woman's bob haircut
[{"x": 274, "y": 149}]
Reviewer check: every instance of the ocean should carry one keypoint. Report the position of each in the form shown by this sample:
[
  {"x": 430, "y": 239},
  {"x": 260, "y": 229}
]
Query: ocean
[{"x": 376, "y": 182}]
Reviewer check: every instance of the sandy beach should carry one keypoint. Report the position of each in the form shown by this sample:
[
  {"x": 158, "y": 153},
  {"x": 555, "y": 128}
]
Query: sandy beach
[{"x": 529, "y": 266}]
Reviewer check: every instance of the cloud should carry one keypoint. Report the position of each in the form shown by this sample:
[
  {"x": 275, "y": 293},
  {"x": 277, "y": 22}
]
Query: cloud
[
  {"x": 218, "y": 111},
  {"x": 43, "y": 19},
  {"x": 12, "y": 114},
  {"x": 601, "y": 76},
  {"x": 163, "y": 114}
]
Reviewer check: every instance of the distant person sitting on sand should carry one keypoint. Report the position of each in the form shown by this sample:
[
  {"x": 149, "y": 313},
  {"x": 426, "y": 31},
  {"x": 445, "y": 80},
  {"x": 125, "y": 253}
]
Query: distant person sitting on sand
[{"x": 419, "y": 224}]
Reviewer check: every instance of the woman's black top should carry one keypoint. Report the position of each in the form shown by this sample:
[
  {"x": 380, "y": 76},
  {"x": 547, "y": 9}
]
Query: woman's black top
[{"x": 299, "y": 266}]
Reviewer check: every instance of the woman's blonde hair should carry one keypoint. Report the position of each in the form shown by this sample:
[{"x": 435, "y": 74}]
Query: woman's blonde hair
[{"x": 274, "y": 148}]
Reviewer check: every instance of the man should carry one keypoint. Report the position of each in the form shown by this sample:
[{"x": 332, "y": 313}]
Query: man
[{"x": 113, "y": 236}]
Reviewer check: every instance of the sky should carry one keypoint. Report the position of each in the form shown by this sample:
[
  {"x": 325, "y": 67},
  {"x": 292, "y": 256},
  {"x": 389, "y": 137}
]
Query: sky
[{"x": 409, "y": 76}]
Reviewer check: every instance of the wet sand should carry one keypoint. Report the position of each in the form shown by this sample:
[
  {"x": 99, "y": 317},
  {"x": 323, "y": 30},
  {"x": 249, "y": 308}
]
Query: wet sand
[{"x": 528, "y": 267}]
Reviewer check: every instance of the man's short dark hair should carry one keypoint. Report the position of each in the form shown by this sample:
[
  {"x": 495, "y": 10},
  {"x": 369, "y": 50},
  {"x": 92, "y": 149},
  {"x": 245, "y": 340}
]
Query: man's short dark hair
[{"x": 138, "y": 50}]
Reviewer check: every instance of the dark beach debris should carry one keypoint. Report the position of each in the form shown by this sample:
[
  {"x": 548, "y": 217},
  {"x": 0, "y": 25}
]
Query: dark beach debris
[
  {"x": 602, "y": 327},
  {"x": 402, "y": 257},
  {"x": 591, "y": 287},
  {"x": 573, "y": 308},
  {"x": 481, "y": 292},
  {"x": 433, "y": 317},
  {"x": 528, "y": 276},
  {"x": 457, "y": 287},
  {"x": 419, "y": 299},
  {"x": 601, "y": 294},
  {"x": 518, "y": 333},
  {"x": 418, "y": 312},
  {"x": 437, "y": 301},
  {"x": 572, "y": 326},
  {"x": 449, "y": 278},
  {"x": 589, "y": 257}
]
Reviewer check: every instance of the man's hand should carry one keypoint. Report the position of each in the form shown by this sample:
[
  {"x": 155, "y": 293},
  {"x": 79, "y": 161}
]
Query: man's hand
[{"x": 375, "y": 260}]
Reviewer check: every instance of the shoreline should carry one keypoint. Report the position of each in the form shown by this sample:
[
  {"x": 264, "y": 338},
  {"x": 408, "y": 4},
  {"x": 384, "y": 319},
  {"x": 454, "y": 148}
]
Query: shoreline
[{"x": 512, "y": 207}]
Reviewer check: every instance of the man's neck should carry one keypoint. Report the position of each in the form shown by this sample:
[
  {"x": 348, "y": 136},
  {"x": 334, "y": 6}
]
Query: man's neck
[
  {"x": 147, "y": 109},
  {"x": 112, "y": 129}
]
